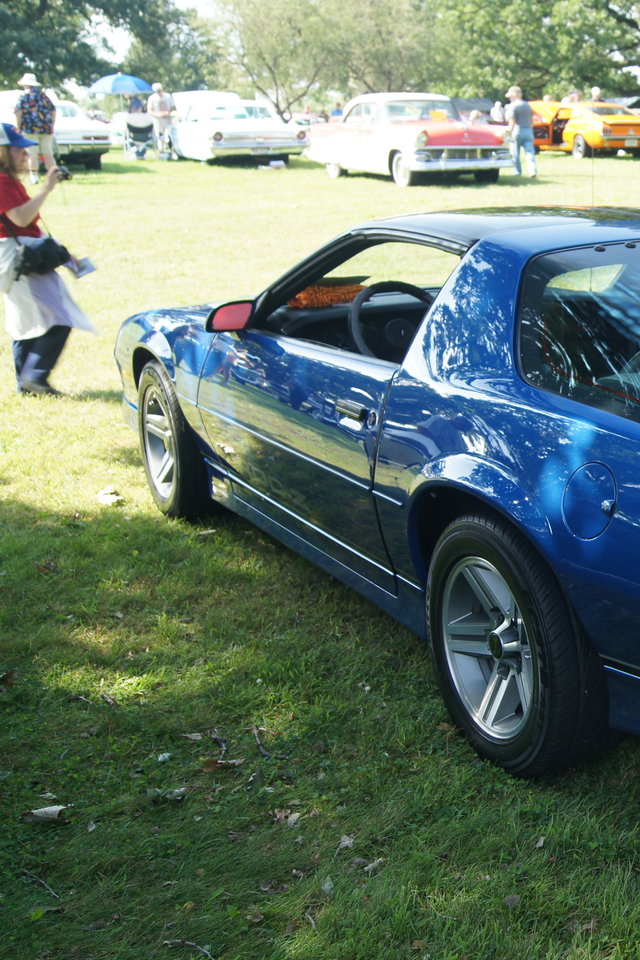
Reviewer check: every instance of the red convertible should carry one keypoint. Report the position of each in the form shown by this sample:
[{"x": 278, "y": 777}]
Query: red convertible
[{"x": 406, "y": 135}]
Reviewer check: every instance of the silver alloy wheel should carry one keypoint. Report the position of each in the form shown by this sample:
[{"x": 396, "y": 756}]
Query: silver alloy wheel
[
  {"x": 158, "y": 442},
  {"x": 487, "y": 646}
]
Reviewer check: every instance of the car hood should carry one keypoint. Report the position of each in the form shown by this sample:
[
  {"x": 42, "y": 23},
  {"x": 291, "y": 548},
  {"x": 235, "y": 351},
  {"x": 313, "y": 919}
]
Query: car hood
[{"x": 452, "y": 132}]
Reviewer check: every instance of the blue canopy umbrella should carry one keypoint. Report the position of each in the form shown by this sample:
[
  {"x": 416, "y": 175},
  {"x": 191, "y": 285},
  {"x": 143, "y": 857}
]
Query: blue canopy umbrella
[{"x": 120, "y": 83}]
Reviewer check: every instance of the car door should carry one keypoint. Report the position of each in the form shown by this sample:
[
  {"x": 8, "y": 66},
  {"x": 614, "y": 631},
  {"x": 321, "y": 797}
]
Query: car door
[
  {"x": 355, "y": 139},
  {"x": 295, "y": 425}
]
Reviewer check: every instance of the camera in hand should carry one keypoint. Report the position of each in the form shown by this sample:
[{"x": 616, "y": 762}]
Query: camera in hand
[{"x": 64, "y": 173}]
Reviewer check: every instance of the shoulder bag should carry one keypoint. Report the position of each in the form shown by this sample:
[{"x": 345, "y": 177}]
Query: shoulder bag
[{"x": 43, "y": 256}]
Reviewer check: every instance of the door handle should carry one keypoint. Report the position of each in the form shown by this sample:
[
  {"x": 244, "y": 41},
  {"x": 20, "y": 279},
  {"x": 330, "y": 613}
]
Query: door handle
[{"x": 355, "y": 411}]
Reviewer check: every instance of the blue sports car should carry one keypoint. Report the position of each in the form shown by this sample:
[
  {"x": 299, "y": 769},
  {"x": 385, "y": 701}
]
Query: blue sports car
[{"x": 443, "y": 411}]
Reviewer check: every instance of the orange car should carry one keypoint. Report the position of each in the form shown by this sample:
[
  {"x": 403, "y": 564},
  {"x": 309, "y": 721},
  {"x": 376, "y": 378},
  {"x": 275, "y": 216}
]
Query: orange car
[{"x": 584, "y": 128}]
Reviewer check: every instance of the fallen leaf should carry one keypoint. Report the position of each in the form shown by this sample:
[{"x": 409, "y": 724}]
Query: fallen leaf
[
  {"x": 328, "y": 887},
  {"x": 212, "y": 763},
  {"x": 192, "y": 736},
  {"x": 108, "y": 699},
  {"x": 53, "y": 814},
  {"x": 374, "y": 866},
  {"x": 345, "y": 842},
  {"x": 159, "y": 796},
  {"x": 163, "y": 757},
  {"x": 109, "y": 496},
  {"x": 540, "y": 843},
  {"x": 47, "y": 567},
  {"x": 254, "y": 917}
]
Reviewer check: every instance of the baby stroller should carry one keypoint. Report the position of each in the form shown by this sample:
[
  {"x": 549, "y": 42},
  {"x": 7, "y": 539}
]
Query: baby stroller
[{"x": 138, "y": 136}]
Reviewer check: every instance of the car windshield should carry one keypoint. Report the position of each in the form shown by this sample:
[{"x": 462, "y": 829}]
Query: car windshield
[
  {"x": 67, "y": 110},
  {"x": 221, "y": 112},
  {"x": 580, "y": 326},
  {"x": 399, "y": 111},
  {"x": 609, "y": 111}
]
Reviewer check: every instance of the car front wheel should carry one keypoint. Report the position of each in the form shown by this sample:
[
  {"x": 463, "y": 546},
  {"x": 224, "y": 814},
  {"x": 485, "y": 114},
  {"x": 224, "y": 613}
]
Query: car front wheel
[
  {"x": 516, "y": 671},
  {"x": 172, "y": 462},
  {"x": 334, "y": 170},
  {"x": 401, "y": 174}
]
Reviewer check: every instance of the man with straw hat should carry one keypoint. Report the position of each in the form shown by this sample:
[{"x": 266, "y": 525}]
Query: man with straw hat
[{"x": 35, "y": 117}]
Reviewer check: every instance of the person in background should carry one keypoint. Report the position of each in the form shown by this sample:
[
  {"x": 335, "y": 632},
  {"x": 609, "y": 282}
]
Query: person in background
[
  {"x": 160, "y": 106},
  {"x": 596, "y": 93},
  {"x": 39, "y": 310},
  {"x": 497, "y": 113},
  {"x": 134, "y": 103},
  {"x": 35, "y": 116},
  {"x": 519, "y": 116}
]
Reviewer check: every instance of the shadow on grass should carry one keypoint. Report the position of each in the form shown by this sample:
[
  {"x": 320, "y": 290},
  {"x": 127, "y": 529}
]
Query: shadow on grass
[
  {"x": 108, "y": 396},
  {"x": 131, "y": 635}
]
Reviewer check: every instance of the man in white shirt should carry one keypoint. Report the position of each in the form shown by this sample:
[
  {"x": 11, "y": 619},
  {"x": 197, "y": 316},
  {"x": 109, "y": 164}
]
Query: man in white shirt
[{"x": 159, "y": 106}]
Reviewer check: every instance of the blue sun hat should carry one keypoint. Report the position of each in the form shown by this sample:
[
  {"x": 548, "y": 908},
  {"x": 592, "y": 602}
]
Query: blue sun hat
[{"x": 9, "y": 137}]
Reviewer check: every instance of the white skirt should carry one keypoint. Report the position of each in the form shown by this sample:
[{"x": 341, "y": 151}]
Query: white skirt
[{"x": 35, "y": 303}]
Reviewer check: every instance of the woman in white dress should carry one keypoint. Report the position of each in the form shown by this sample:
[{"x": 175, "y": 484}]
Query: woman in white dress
[{"x": 39, "y": 310}]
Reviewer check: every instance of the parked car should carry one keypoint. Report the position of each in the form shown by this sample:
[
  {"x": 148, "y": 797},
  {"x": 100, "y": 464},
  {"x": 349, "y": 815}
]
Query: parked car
[
  {"x": 210, "y": 128},
  {"x": 443, "y": 411},
  {"x": 406, "y": 135},
  {"x": 78, "y": 138},
  {"x": 583, "y": 129}
]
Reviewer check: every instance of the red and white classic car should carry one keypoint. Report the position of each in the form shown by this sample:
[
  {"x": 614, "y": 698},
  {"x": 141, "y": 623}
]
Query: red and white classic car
[{"x": 406, "y": 135}]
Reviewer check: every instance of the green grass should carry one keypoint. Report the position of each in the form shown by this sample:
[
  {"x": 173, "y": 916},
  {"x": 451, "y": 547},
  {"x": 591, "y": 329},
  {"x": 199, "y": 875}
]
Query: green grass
[{"x": 127, "y": 632}]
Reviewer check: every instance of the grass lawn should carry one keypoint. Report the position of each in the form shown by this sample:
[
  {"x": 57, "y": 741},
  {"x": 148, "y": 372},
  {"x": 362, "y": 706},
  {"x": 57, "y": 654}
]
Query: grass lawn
[{"x": 255, "y": 763}]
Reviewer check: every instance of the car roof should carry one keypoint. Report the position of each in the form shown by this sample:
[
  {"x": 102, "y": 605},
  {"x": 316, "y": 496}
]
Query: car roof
[
  {"x": 384, "y": 97},
  {"x": 464, "y": 228}
]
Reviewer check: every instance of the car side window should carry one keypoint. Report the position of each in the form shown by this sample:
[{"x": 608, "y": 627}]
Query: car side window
[
  {"x": 319, "y": 311},
  {"x": 360, "y": 113},
  {"x": 580, "y": 326}
]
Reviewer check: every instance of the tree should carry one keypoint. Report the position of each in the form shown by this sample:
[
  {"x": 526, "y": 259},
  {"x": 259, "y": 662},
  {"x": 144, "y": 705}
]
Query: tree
[
  {"x": 54, "y": 37},
  {"x": 187, "y": 57},
  {"x": 283, "y": 48}
]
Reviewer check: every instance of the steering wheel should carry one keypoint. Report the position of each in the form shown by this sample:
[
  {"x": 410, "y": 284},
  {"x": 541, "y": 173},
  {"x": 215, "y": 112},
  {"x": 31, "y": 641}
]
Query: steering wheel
[{"x": 397, "y": 332}]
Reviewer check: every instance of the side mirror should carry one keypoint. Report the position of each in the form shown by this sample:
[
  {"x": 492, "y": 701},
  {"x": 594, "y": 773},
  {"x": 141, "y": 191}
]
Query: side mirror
[{"x": 230, "y": 316}]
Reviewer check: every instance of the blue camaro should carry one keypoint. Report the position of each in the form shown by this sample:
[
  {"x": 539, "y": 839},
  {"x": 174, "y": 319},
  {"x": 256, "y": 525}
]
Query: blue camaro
[{"x": 443, "y": 411}]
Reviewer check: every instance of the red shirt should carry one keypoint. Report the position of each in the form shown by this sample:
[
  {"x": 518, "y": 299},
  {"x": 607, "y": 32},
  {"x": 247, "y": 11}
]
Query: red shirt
[{"x": 13, "y": 194}]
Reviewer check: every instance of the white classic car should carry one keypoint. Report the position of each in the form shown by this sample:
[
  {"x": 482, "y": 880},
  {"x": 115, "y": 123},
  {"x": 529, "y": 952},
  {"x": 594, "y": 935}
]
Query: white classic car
[
  {"x": 79, "y": 139},
  {"x": 406, "y": 135},
  {"x": 224, "y": 125}
]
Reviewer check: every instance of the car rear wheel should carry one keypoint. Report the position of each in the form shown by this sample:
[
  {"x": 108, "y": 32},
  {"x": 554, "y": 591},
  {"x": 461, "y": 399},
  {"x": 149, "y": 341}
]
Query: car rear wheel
[
  {"x": 401, "y": 173},
  {"x": 93, "y": 163},
  {"x": 173, "y": 464},
  {"x": 581, "y": 148},
  {"x": 516, "y": 671},
  {"x": 486, "y": 176},
  {"x": 334, "y": 170}
]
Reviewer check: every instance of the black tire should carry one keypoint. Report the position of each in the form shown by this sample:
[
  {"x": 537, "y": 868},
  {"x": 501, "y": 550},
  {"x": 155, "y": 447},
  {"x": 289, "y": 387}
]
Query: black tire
[
  {"x": 581, "y": 148},
  {"x": 173, "y": 464},
  {"x": 486, "y": 176},
  {"x": 93, "y": 163},
  {"x": 401, "y": 173},
  {"x": 516, "y": 670}
]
